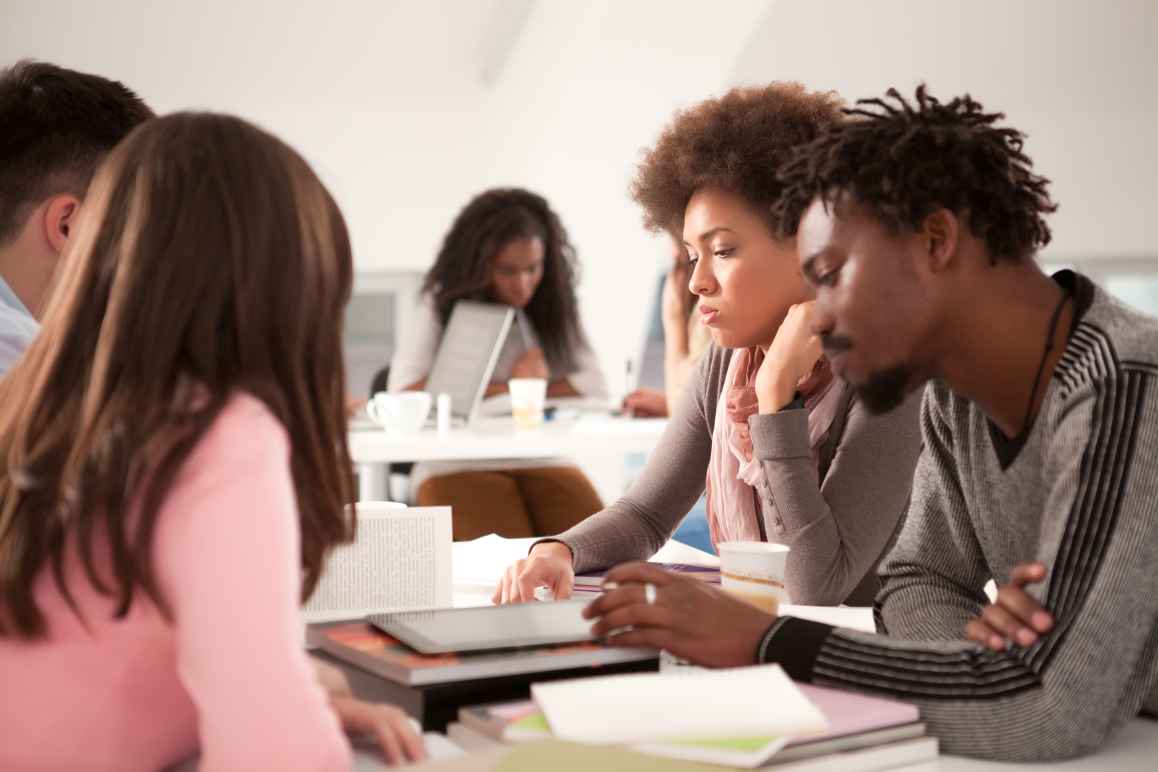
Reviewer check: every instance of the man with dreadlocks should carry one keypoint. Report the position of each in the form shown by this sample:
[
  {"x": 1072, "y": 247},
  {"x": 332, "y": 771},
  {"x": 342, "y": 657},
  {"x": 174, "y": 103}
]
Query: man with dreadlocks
[{"x": 918, "y": 225}]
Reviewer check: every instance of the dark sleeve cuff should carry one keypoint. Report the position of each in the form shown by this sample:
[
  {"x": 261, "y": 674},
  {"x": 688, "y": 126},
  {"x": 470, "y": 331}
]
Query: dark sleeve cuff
[
  {"x": 794, "y": 644},
  {"x": 780, "y": 435}
]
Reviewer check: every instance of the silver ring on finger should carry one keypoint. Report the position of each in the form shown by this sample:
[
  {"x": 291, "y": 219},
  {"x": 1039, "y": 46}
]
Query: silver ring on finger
[{"x": 649, "y": 593}]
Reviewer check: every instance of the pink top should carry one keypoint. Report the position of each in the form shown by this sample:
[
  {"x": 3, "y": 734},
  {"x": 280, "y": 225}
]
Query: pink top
[{"x": 229, "y": 676}]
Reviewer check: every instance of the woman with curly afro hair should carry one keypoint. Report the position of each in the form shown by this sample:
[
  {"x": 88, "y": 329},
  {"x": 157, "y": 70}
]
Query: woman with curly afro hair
[
  {"x": 507, "y": 246},
  {"x": 784, "y": 449}
]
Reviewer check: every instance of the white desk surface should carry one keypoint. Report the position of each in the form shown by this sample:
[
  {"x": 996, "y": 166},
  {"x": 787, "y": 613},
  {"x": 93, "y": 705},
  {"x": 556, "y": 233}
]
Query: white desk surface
[
  {"x": 1135, "y": 748},
  {"x": 496, "y": 438}
]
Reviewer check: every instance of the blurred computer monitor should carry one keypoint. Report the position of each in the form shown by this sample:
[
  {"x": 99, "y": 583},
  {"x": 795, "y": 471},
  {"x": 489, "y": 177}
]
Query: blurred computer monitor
[
  {"x": 377, "y": 317},
  {"x": 649, "y": 362}
]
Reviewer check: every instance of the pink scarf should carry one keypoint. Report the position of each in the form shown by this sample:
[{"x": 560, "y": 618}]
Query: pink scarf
[{"x": 733, "y": 473}]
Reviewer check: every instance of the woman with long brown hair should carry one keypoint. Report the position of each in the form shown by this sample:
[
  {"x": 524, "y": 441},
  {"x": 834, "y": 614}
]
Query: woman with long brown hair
[
  {"x": 507, "y": 246},
  {"x": 173, "y": 465}
]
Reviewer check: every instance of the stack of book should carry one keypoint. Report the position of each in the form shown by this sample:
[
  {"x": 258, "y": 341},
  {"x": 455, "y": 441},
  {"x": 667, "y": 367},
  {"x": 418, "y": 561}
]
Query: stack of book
[
  {"x": 434, "y": 687},
  {"x": 861, "y": 733}
]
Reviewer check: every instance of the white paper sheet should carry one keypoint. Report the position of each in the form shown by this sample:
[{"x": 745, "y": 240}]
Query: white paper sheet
[
  {"x": 479, "y": 564},
  {"x": 852, "y": 617},
  {"x": 678, "y": 552},
  {"x": 758, "y": 701}
]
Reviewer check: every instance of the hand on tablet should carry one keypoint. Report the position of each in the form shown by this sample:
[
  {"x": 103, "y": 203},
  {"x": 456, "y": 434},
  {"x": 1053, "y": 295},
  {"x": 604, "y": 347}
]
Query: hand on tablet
[{"x": 548, "y": 564}]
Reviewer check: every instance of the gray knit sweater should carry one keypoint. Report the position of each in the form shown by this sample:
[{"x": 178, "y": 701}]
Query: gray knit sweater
[
  {"x": 838, "y": 519},
  {"x": 1081, "y": 495}
]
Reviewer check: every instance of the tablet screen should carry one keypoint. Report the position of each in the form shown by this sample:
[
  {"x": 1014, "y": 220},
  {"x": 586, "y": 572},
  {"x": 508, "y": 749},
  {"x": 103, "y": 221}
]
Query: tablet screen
[{"x": 487, "y": 627}]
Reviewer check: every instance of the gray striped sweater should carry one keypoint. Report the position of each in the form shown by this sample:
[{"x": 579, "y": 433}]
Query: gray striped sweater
[{"x": 1081, "y": 495}]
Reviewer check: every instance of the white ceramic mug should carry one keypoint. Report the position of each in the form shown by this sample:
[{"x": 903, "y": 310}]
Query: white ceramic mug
[
  {"x": 754, "y": 572},
  {"x": 401, "y": 413},
  {"x": 528, "y": 398}
]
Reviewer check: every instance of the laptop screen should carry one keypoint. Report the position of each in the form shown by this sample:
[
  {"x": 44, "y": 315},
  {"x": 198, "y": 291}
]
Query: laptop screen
[{"x": 466, "y": 357}]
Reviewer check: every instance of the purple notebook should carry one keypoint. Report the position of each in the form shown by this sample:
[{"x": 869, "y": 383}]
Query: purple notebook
[
  {"x": 592, "y": 581},
  {"x": 851, "y": 713}
]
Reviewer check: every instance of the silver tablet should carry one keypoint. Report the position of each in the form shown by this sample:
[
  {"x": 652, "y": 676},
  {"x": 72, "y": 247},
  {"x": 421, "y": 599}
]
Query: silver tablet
[{"x": 487, "y": 627}]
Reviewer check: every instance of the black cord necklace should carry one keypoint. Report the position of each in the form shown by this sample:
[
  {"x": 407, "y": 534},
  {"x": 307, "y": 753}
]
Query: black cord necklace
[{"x": 1025, "y": 425}]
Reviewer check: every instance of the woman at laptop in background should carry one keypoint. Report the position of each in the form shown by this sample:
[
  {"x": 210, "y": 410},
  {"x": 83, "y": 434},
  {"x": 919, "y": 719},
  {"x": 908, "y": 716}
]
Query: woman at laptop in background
[
  {"x": 685, "y": 339},
  {"x": 174, "y": 470},
  {"x": 507, "y": 246},
  {"x": 785, "y": 451}
]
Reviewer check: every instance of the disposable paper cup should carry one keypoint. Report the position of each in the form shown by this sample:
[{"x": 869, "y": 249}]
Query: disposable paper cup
[
  {"x": 754, "y": 572},
  {"x": 528, "y": 396}
]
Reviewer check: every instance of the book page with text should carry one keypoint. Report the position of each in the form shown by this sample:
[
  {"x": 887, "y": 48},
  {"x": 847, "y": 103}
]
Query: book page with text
[{"x": 400, "y": 560}]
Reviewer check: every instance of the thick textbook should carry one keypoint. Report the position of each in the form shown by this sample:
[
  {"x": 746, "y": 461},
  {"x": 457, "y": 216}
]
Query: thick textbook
[{"x": 360, "y": 644}]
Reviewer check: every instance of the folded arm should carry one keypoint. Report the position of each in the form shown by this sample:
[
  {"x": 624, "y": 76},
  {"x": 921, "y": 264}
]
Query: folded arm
[
  {"x": 933, "y": 579},
  {"x": 1063, "y": 696}
]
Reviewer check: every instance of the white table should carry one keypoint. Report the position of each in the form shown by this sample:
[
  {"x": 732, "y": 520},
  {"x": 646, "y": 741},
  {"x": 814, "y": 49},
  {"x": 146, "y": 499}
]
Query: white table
[
  {"x": 488, "y": 439},
  {"x": 1134, "y": 748}
]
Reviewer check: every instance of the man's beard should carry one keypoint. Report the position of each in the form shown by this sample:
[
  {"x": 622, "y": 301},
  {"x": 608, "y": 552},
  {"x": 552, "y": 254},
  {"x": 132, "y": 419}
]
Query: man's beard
[{"x": 885, "y": 389}]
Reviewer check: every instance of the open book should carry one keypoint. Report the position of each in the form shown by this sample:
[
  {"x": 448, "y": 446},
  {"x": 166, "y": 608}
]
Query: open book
[{"x": 400, "y": 560}]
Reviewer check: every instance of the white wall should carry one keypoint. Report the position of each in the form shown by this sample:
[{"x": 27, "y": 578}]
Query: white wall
[
  {"x": 408, "y": 107},
  {"x": 377, "y": 95},
  {"x": 587, "y": 87},
  {"x": 1079, "y": 76}
]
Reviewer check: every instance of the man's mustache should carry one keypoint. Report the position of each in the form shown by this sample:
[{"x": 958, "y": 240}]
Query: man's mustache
[{"x": 835, "y": 344}]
